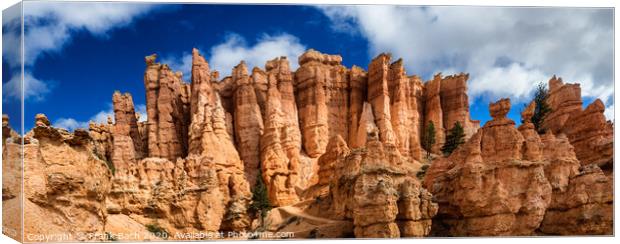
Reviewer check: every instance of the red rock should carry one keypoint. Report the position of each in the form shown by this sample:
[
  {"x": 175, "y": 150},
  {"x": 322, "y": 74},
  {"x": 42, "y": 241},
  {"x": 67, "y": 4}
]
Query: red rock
[
  {"x": 322, "y": 99},
  {"x": 378, "y": 96},
  {"x": 587, "y": 130},
  {"x": 488, "y": 187},
  {"x": 167, "y": 122},
  {"x": 248, "y": 122}
]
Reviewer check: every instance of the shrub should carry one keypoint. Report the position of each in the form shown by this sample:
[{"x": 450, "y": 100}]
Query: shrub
[{"x": 157, "y": 230}]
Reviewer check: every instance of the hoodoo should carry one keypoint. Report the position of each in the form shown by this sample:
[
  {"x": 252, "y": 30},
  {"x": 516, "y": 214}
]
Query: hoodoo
[{"x": 339, "y": 151}]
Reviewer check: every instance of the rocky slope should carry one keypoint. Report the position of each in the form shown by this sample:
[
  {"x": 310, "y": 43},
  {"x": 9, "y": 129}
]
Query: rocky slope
[{"x": 338, "y": 149}]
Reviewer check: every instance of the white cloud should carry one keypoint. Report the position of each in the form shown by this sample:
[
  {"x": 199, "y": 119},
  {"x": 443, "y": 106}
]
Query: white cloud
[
  {"x": 235, "y": 48},
  {"x": 505, "y": 50},
  {"x": 141, "y": 110},
  {"x": 34, "y": 89},
  {"x": 49, "y": 27},
  {"x": 100, "y": 118},
  {"x": 609, "y": 112},
  {"x": 49, "y": 24},
  {"x": 70, "y": 124},
  {"x": 183, "y": 64}
]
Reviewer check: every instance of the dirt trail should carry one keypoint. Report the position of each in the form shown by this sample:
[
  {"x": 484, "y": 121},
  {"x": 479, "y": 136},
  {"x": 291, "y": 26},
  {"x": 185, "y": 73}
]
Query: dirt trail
[{"x": 292, "y": 210}]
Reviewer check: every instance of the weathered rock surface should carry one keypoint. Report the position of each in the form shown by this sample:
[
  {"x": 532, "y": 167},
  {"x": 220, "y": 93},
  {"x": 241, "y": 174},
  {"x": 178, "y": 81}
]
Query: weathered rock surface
[
  {"x": 65, "y": 182},
  {"x": 455, "y": 104},
  {"x": 488, "y": 187},
  {"x": 167, "y": 107},
  {"x": 433, "y": 112},
  {"x": 446, "y": 104},
  {"x": 127, "y": 140},
  {"x": 322, "y": 99},
  {"x": 376, "y": 189},
  {"x": 279, "y": 156},
  {"x": 505, "y": 181},
  {"x": 582, "y": 200},
  {"x": 12, "y": 206},
  {"x": 587, "y": 130},
  {"x": 339, "y": 151},
  {"x": 249, "y": 121}
]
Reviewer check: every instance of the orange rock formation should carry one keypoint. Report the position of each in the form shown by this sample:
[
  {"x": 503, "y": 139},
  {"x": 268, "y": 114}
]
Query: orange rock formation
[{"x": 339, "y": 151}]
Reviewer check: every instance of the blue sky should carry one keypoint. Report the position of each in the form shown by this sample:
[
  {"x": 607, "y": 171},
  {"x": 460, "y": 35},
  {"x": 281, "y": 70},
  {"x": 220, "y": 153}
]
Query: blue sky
[{"x": 78, "y": 55}]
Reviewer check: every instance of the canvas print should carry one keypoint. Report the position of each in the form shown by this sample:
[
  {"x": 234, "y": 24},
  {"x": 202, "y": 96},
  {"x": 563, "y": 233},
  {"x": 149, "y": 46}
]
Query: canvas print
[{"x": 126, "y": 121}]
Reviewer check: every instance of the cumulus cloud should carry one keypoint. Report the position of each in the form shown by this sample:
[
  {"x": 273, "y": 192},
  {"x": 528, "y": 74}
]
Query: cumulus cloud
[
  {"x": 505, "y": 50},
  {"x": 50, "y": 24},
  {"x": 34, "y": 89},
  {"x": 49, "y": 27},
  {"x": 70, "y": 124},
  {"x": 100, "y": 118},
  {"x": 226, "y": 55},
  {"x": 609, "y": 112},
  {"x": 234, "y": 48},
  {"x": 181, "y": 63}
]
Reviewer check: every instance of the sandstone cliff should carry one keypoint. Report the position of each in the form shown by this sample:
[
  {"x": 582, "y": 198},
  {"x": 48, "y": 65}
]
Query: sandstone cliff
[{"x": 339, "y": 151}]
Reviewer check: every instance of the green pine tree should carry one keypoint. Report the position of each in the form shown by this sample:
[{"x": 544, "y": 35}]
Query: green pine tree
[
  {"x": 428, "y": 140},
  {"x": 260, "y": 198},
  {"x": 542, "y": 108},
  {"x": 455, "y": 137}
]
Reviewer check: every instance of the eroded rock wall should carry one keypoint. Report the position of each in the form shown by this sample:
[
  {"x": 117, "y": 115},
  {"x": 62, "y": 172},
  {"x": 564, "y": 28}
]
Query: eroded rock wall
[
  {"x": 587, "y": 129},
  {"x": 167, "y": 108},
  {"x": 505, "y": 181}
]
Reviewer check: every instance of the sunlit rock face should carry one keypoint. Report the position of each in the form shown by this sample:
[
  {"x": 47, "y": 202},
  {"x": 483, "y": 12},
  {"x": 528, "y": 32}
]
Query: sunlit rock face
[
  {"x": 509, "y": 181},
  {"x": 338, "y": 149},
  {"x": 587, "y": 129}
]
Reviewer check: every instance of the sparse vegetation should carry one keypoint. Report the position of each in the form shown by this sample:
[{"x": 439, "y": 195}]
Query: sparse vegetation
[
  {"x": 422, "y": 171},
  {"x": 260, "y": 199},
  {"x": 542, "y": 109},
  {"x": 455, "y": 137},
  {"x": 157, "y": 230},
  {"x": 103, "y": 158},
  {"x": 428, "y": 139},
  {"x": 314, "y": 233},
  {"x": 111, "y": 237},
  {"x": 110, "y": 166}
]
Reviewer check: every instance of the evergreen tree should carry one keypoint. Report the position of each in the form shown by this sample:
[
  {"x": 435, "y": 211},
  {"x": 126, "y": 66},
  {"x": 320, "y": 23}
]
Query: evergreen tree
[
  {"x": 428, "y": 140},
  {"x": 542, "y": 108},
  {"x": 260, "y": 199},
  {"x": 455, "y": 137}
]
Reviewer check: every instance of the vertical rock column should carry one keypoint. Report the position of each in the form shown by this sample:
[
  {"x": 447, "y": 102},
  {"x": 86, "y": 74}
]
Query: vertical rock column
[
  {"x": 378, "y": 96},
  {"x": 404, "y": 110},
  {"x": 126, "y": 142},
  {"x": 166, "y": 95},
  {"x": 358, "y": 81},
  {"x": 248, "y": 122},
  {"x": 433, "y": 113},
  {"x": 280, "y": 172},
  {"x": 455, "y": 104},
  {"x": 322, "y": 99},
  {"x": 212, "y": 143}
]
